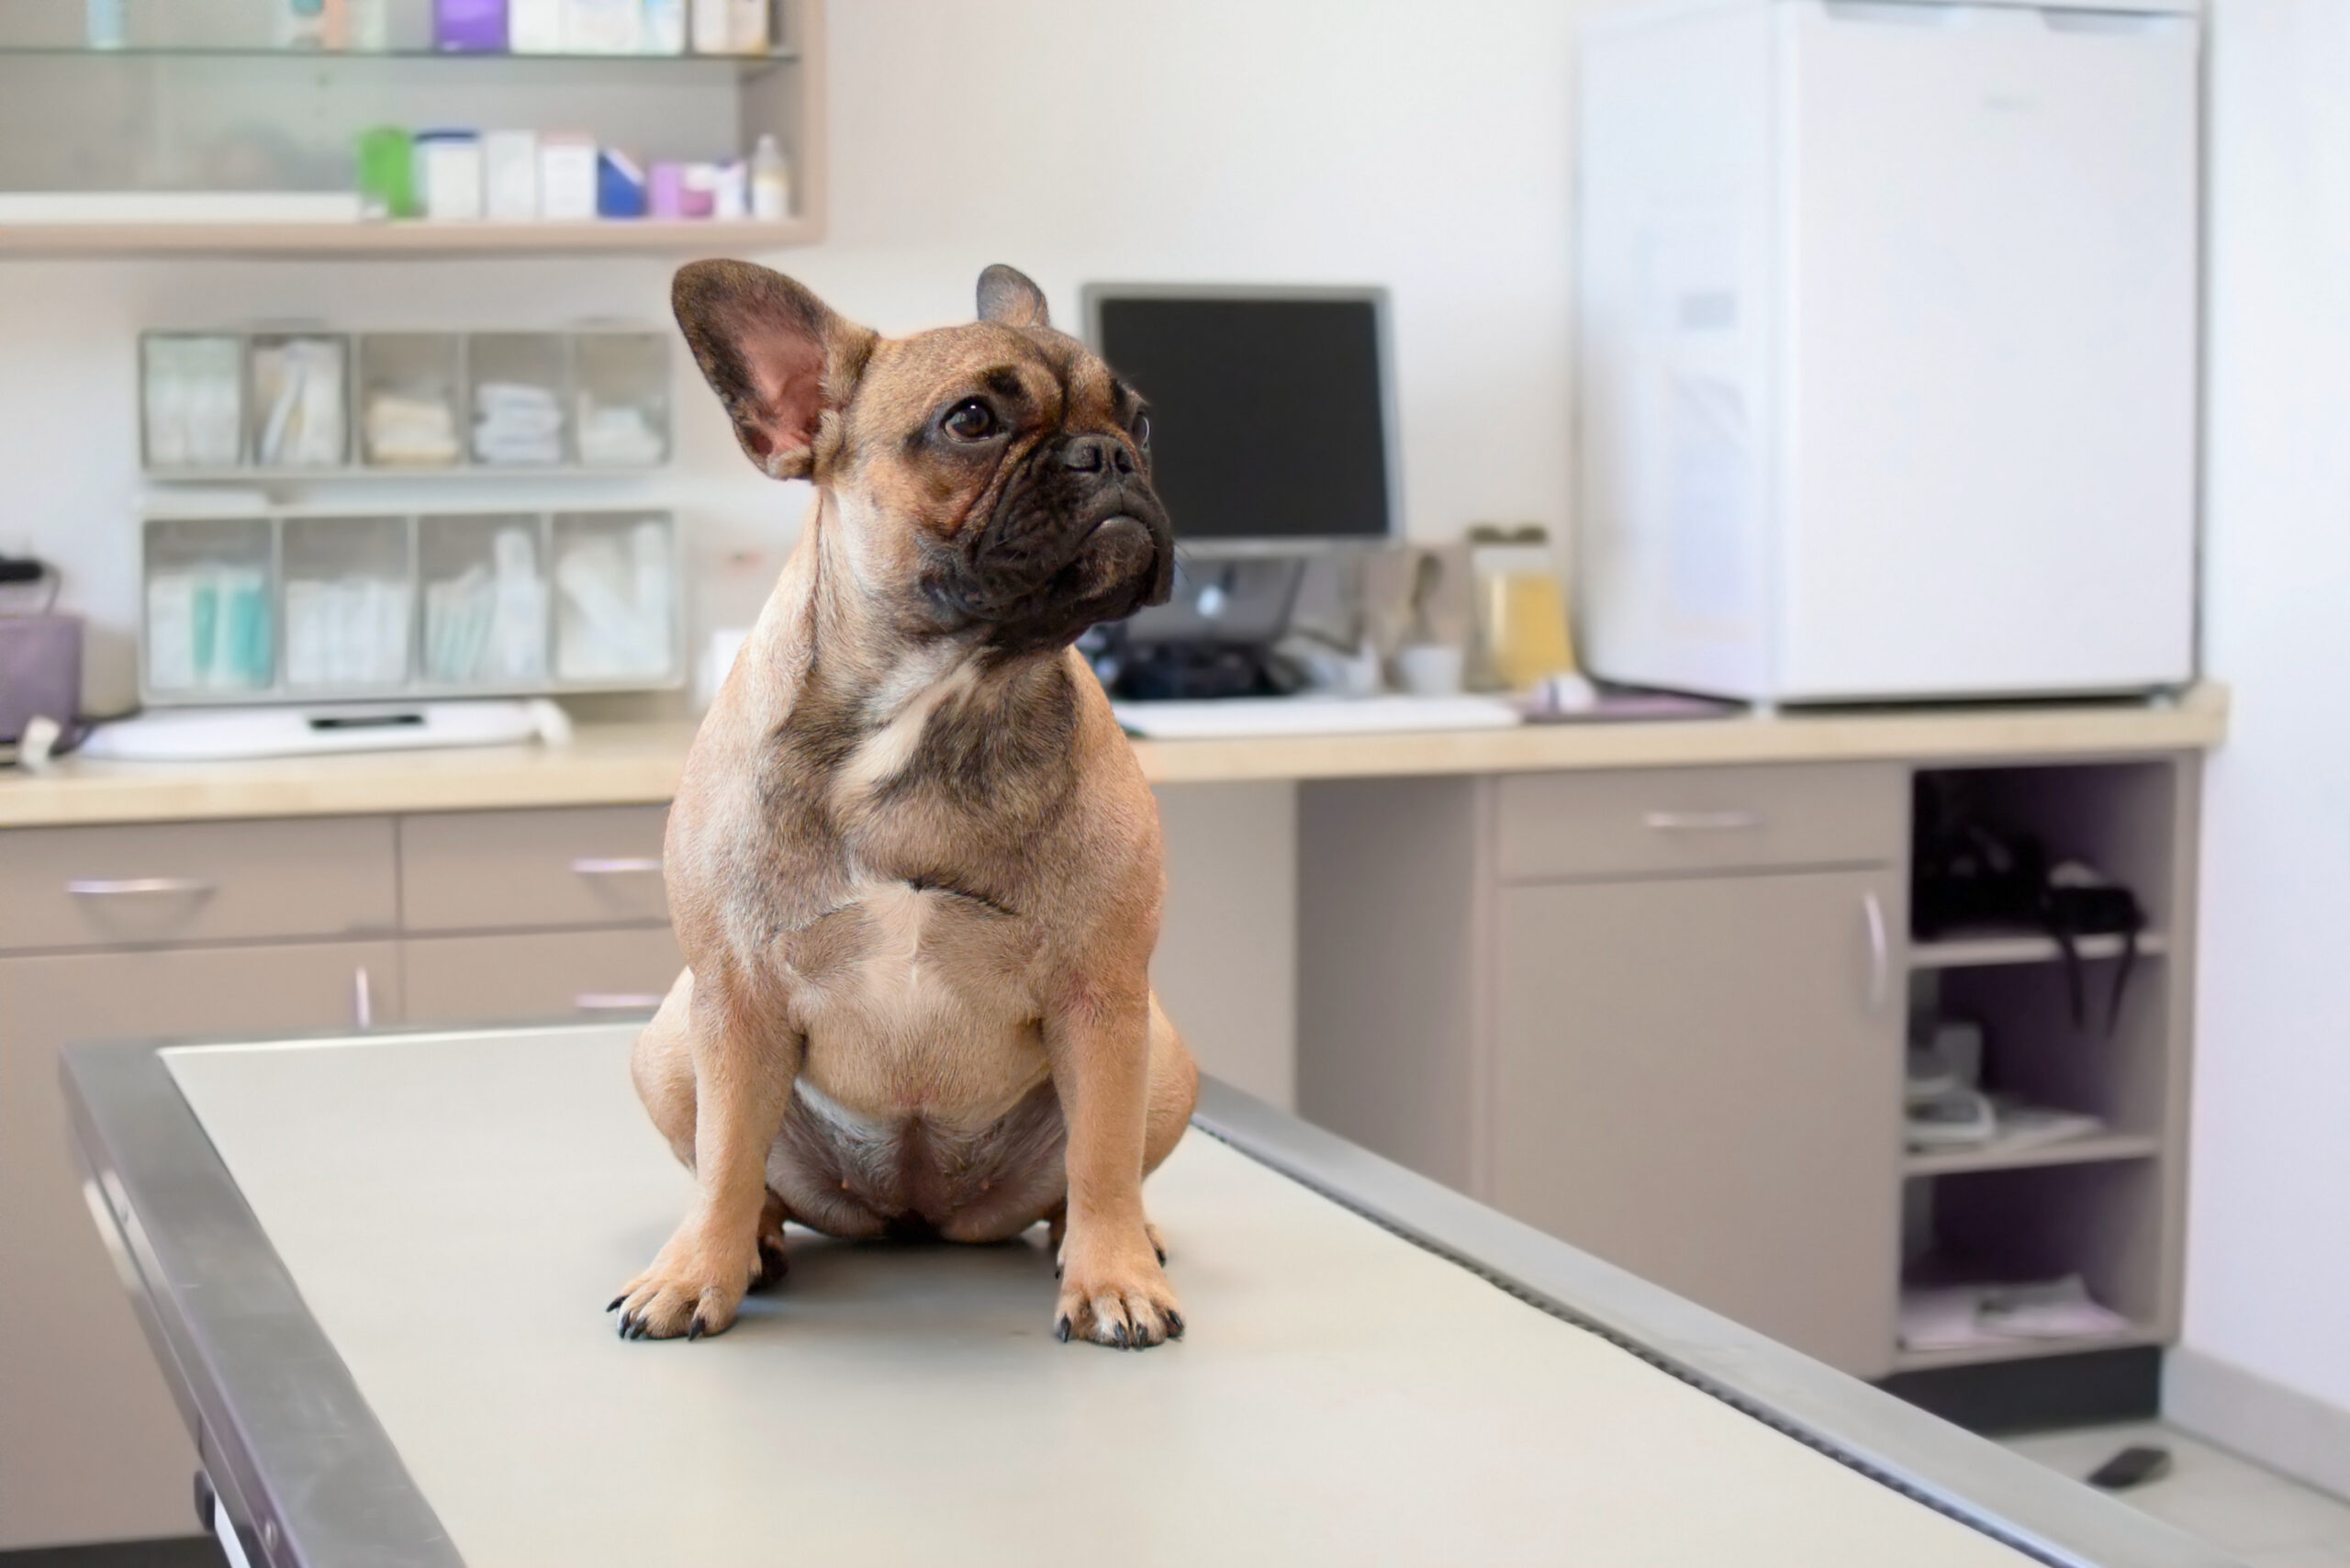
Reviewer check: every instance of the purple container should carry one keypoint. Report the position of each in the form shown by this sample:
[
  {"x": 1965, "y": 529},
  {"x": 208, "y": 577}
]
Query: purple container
[
  {"x": 469, "y": 26},
  {"x": 668, "y": 190}
]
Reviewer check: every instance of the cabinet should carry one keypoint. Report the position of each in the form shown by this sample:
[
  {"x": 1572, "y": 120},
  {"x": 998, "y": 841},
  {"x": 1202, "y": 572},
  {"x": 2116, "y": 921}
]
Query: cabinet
[
  {"x": 1660, "y": 1014},
  {"x": 532, "y": 976},
  {"x": 92, "y": 1447},
  {"x": 1655, "y": 1013},
  {"x": 1691, "y": 1078},
  {"x": 185, "y": 930}
]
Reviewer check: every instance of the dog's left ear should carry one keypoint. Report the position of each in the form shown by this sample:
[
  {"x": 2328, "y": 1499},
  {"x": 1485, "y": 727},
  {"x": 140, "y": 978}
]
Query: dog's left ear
[
  {"x": 1007, "y": 296},
  {"x": 783, "y": 363}
]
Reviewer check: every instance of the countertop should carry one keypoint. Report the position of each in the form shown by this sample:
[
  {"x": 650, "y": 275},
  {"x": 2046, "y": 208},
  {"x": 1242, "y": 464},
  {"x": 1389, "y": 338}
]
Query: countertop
[{"x": 625, "y": 764}]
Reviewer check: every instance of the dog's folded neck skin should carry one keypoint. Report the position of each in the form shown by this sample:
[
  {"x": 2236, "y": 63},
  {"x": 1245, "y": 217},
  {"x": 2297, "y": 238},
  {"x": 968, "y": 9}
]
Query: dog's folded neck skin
[{"x": 923, "y": 705}]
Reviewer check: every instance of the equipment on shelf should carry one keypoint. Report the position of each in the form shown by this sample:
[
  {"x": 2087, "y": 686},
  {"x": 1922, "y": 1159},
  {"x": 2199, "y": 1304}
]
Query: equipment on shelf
[
  {"x": 41, "y": 653},
  {"x": 1234, "y": 717},
  {"x": 1972, "y": 873},
  {"x": 236, "y": 735},
  {"x": 233, "y": 405},
  {"x": 303, "y": 605}
]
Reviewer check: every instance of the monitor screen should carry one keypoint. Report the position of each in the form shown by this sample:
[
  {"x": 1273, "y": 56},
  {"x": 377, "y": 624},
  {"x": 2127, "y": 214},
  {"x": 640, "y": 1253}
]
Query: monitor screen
[{"x": 1268, "y": 415}]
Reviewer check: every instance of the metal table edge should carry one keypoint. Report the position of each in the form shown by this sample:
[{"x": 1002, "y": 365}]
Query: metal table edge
[
  {"x": 296, "y": 1458},
  {"x": 1968, "y": 1478},
  {"x": 316, "y": 1482}
]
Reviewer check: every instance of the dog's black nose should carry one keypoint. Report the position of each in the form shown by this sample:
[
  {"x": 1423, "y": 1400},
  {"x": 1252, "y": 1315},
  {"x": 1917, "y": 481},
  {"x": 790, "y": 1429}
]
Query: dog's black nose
[{"x": 1093, "y": 453}]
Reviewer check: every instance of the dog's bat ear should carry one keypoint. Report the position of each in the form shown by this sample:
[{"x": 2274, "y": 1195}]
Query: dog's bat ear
[
  {"x": 778, "y": 358},
  {"x": 1007, "y": 296}
]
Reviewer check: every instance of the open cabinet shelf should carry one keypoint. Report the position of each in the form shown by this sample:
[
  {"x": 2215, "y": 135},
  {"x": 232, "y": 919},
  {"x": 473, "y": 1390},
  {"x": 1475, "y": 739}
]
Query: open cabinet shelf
[
  {"x": 2069, "y": 1151},
  {"x": 1982, "y": 949},
  {"x": 2106, "y": 1205},
  {"x": 2025, "y": 1350}
]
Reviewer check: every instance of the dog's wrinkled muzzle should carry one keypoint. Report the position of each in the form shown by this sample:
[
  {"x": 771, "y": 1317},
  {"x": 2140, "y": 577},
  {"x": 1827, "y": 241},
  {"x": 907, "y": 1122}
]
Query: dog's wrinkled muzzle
[{"x": 1124, "y": 550}]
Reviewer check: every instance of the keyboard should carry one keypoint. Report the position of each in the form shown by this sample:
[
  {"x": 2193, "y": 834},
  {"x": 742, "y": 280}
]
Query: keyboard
[{"x": 1230, "y": 717}]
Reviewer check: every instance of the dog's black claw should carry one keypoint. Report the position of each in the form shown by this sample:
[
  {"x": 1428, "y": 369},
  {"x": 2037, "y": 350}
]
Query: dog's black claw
[
  {"x": 614, "y": 1306},
  {"x": 696, "y": 1328},
  {"x": 628, "y": 1320},
  {"x": 1174, "y": 1325},
  {"x": 1061, "y": 1329},
  {"x": 1118, "y": 1334}
]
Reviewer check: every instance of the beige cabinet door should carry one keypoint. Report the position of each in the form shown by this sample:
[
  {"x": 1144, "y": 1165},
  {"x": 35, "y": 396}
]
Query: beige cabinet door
[
  {"x": 91, "y": 1448},
  {"x": 538, "y": 976},
  {"x": 1700, "y": 1079}
]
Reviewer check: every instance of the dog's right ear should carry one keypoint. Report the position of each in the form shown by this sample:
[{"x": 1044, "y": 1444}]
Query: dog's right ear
[{"x": 783, "y": 364}]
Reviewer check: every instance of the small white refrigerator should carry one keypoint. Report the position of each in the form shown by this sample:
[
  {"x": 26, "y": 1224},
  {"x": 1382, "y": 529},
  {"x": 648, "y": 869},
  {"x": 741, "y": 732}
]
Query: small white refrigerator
[{"x": 1887, "y": 342}]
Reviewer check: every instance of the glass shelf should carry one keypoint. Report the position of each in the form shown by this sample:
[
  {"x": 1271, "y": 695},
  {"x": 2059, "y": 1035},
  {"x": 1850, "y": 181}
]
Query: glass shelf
[{"x": 744, "y": 66}]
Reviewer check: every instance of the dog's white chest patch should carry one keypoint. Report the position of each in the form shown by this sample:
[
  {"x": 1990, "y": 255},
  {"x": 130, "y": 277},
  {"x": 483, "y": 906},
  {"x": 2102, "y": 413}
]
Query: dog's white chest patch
[{"x": 913, "y": 697}]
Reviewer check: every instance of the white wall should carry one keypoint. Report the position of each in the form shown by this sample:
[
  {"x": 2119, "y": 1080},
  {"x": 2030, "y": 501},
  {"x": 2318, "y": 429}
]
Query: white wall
[
  {"x": 2269, "y": 1279},
  {"x": 1312, "y": 141}
]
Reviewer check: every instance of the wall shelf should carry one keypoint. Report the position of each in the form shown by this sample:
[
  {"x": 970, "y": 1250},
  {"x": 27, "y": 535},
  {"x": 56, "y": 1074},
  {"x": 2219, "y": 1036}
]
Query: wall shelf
[
  {"x": 744, "y": 64},
  {"x": 182, "y": 121},
  {"x": 387, "y": 474},
  {"x": 2020, "y": 948},
  {"x": 2064, "y": 1152},
  {"x": 699, "y": 236}
]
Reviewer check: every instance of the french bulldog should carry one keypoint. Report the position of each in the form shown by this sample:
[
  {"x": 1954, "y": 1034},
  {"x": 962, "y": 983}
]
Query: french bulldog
[{"x": 912, "y": 862}]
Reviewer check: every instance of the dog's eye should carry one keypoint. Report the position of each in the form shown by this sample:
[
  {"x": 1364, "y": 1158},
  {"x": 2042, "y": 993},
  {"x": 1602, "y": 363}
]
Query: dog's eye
[{"x": 970, "y": 420}]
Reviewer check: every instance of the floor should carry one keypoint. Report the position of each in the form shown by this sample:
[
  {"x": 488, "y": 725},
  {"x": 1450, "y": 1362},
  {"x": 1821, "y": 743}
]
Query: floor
[{"x": 2255, "y": 1514}]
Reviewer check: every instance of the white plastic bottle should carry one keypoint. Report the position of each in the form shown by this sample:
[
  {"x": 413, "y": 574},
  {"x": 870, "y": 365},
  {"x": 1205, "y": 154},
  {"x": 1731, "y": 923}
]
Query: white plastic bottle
[
  {"x": 750, "y": 27},
  {"x": 770, "y": 181},
  {"x": 712, "y": 24},
  {"x": 664, "y": 29}
]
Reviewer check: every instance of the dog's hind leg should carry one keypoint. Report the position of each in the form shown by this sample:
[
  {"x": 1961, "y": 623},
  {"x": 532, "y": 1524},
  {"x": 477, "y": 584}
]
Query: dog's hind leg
[
  {"x": 772, "y": 1263},
  {"x": 663, "y": 1068},
  {"x": 1174, "y": 1092}
]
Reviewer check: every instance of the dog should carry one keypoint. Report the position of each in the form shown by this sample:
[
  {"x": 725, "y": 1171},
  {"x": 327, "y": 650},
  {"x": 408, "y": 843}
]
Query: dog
[{"x": 912, "y": 862}]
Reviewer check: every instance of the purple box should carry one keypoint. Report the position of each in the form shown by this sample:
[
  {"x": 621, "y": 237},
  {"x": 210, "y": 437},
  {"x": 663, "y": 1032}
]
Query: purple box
[
  {"x": 668, "y": 190},
  {"x": 469, "y": 26}
]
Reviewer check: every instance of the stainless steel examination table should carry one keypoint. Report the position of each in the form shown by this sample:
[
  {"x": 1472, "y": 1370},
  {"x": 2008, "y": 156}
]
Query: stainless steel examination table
[{"x": 375, "y": 1269}]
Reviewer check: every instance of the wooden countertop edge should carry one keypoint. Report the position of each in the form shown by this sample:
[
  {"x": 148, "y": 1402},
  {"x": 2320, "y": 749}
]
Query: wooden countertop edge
[{"x": 640, "y": 764}]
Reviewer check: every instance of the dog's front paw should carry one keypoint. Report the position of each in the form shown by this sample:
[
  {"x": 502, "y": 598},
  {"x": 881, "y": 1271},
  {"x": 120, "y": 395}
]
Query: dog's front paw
[
  {"x": 1113, "y": 1292},
  {"x": 693, "y": 1289}
]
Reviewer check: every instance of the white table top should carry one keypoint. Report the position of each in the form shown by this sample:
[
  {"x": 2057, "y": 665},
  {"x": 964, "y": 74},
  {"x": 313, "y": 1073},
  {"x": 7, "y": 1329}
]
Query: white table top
[{"x": 456, "y": 1210}]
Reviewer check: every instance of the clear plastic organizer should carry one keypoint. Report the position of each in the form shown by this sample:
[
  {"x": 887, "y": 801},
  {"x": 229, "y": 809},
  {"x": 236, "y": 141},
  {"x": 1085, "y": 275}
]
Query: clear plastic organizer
[
  {"x": 305, "y": 606},
  {"x": 242, "y": 405}
]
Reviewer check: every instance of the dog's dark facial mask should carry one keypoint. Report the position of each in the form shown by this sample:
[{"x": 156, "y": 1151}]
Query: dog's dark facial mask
[{"x": 995, "y": 477}]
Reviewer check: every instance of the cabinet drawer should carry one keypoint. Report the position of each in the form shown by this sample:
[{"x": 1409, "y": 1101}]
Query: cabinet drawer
[
  {"x": 482, "y": 870},
  {"x": 109, "y": 887},
  {"x": 535, "y": 976},
  {"x": 1659, "y": 821}
]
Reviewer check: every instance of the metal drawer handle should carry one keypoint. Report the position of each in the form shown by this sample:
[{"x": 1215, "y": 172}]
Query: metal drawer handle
[
  {"x": 116, "y": 887},
  {"x": 617, "y": 864},
  {"x": 1880, "y": 951},
  {"x": 615, "y": 1001},
  {"x": 1702, "y": 821}
]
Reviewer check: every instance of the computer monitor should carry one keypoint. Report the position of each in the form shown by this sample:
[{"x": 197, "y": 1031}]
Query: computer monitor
[{"x": 1272, "y": 411}]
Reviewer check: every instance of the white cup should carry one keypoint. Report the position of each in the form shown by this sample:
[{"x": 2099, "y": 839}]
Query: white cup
[{"x": 1429, "y": 669}]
